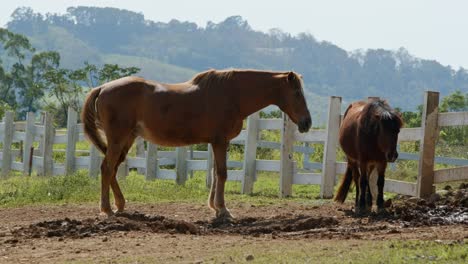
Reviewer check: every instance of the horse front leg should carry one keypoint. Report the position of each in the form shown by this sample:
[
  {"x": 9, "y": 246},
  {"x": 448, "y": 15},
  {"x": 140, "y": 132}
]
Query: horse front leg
[
  {"x": 380, "y": 186},
  {"x": 211, "y": 202},
  {"x": 219, "y": 150},
  {"x": 363, "y": 183},
  {"x": 356, "y": 175},
  {"x": 371, "y": 186}
]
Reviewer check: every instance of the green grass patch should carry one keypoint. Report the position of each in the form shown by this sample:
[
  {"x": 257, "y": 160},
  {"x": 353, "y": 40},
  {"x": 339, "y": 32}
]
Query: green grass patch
[
  {"x": 319, "y": 251},
  {"x": 19, "y": 190},
  {"x": 339, "y": 251}
]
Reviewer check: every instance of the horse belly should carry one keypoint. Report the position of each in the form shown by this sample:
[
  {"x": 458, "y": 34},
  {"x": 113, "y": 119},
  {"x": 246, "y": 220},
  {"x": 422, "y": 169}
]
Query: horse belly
[{"x": 172, "y": 136}]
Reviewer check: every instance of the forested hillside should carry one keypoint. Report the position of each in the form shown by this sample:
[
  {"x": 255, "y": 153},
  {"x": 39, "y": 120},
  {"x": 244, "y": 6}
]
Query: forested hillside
[{"x": 174, "y": 51}]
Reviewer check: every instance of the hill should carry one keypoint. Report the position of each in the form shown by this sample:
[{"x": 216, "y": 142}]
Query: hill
[{"x": 175, "y": 50}]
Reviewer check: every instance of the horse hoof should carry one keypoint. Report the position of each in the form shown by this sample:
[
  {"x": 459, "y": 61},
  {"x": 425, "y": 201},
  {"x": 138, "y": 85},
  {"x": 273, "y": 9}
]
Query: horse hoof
[
  {"x": 362, "y": 211},
  {"x": 382, "y": 211},
  {"x": 211, "y": 205},
  {"x": 117, "y": 211},
  {"x": 224, "y": 213},
  {"x": 106, "y": 213}
]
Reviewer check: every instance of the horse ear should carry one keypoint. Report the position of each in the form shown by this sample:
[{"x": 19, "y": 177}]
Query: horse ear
[{"x": 291, "y": 76}]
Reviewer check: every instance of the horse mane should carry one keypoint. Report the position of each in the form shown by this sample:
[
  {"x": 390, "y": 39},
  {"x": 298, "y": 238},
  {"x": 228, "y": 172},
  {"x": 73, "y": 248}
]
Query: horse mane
[
  {"x": 216, "y": 77},
  {"x": 211, "y": 77},
  {"x": 379, "y": 111}
]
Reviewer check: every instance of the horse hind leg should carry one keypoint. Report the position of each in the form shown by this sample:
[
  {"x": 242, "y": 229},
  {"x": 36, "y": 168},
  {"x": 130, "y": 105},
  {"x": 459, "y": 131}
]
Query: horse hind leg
[
  {"x": 118, "y": 195},
  {"x": 108, "y": 172},
  {"x": 114, "y": 156}
]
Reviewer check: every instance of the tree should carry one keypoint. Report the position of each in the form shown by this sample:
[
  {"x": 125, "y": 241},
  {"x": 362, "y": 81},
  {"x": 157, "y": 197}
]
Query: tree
[
  {"x": 412, "y": 119},
  {"x": 29, "y": 76},
  {"x": 35, "y": 83},
  {"x": 65, "y": 86},
  {"x": 111, "y": 72},
  {"x": 455, "y": 102},
  {"x": 14, "y": 78}
]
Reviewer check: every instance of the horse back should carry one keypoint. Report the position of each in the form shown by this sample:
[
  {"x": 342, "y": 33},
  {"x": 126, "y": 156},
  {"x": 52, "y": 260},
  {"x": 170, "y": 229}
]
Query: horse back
[{"x": 169, "y": 114}]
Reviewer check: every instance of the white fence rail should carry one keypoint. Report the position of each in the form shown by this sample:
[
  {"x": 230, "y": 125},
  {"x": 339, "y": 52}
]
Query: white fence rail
[{"x": 149, "y": 160}]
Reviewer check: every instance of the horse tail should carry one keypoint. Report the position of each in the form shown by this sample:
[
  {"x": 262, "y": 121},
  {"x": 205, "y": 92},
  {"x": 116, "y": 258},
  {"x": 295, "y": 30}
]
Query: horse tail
[
  {"x": 345, "y": 184},
  {"x": 89, "y": 118}
]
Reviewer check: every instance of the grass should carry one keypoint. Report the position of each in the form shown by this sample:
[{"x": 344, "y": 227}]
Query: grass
[
  {"x": 17, "y": 190},
  {"x": 78, "y": 188},
  {"x": 340, "y": 251},
  {"x": 325, "y": 251}
]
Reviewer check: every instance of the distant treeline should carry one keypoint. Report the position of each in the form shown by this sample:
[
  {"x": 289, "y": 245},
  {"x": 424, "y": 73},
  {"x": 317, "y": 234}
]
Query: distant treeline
[
  {"x": 92, "y": 33},
  {"x": 32, "y": 80}
]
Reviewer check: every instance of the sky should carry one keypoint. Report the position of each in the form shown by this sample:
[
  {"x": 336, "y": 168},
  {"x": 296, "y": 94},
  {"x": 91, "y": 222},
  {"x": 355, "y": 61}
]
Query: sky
[{"x": 429, "y": 29}]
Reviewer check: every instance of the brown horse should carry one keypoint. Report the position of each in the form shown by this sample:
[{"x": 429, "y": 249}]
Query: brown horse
[
  {"x": 368, "y": 136},
  {"x": 210, "y": 108}
]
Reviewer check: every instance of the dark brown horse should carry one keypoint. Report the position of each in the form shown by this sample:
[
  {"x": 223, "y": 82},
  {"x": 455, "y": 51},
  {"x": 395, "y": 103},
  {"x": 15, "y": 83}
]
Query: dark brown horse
[
  {"x": 210, "y": 108},
  {"x": 368, "y": 136}
]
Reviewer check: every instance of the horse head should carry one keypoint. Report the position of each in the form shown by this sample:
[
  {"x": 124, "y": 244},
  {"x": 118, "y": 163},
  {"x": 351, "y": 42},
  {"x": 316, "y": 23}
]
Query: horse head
[
  {"x": 293, "y": 103},
  {"x": 385, "y": 123}
]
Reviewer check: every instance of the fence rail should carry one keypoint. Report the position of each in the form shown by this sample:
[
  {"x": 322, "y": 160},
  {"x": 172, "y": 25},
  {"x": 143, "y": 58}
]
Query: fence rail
[{"x": 149, "y": 159}]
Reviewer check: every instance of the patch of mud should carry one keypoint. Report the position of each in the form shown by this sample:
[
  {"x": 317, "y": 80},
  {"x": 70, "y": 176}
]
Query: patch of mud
[
  {"x": 277, "y": 224},
  {"x": 159, "y": 224},
  {"x": 445, "y": 207},
  {"x": 91, "y": 227}
]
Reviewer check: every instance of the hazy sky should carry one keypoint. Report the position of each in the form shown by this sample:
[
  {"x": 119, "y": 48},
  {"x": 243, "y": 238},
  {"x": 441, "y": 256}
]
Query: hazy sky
[{"x": 429, "y": 29}]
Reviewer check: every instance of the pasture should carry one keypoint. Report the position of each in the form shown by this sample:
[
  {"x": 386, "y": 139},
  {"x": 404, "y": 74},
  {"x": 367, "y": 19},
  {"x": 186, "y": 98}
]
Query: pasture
[
  {"x": 281, "y": 215},
  {"x": 56, "y": 219}
]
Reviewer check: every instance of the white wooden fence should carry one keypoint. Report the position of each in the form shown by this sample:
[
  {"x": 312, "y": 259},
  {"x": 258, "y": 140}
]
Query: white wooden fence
[{"x": 149, "y": 160}]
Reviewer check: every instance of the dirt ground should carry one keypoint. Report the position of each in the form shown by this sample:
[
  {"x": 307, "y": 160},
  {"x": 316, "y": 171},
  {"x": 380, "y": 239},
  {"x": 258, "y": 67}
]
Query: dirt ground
[{"x": 182, "y": 232}]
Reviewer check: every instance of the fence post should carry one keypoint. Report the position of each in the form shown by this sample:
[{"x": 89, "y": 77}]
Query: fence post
[
  {"x": 140, "y": 151},
  {"x": 209, "y": 166},
  {"x": 429, "y": 125},
  {"x": 286, "y": 162},
  {"x": 250, "y": 153},
  {"x": 94, "y": 161},
  {"x": 181, "y": 165},
  {"x": 329, "y": 154},
  {"x": 122, "y": 170},
  {"x": 7, "y": 140},
  {"x": 47, "y": 145},
  {"x": 28, "y": 141},
  {"x": 71, "y": 141},
  {"x": 151, "y": 161},
  {"x": 191, "y": 158},
  {"x": 40, "y": 147}
]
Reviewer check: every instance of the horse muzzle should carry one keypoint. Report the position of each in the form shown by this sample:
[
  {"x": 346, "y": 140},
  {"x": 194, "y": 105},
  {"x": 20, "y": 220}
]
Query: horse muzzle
[{"x": 304, "y": 124}]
